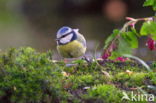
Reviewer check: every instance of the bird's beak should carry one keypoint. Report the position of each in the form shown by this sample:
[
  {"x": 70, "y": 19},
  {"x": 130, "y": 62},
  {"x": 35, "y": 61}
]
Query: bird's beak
[{"x": 57, "y": 39}]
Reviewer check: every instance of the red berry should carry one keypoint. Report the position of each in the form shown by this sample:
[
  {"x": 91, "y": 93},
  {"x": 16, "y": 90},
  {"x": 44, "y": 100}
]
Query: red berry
[{"x": 150, "y": 44}]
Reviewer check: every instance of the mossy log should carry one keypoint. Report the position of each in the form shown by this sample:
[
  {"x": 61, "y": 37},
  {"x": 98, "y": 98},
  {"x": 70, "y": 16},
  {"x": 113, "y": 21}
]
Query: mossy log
[{"x": 27, "y": 76}]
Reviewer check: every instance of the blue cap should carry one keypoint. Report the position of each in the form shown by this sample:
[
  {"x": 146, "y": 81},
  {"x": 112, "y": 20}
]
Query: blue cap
[{"x": 64, "y": 30}]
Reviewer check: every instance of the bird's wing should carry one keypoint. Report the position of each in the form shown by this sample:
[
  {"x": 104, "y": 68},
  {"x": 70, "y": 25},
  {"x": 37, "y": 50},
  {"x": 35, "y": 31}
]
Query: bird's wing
[{"x": 81, "y": 39}]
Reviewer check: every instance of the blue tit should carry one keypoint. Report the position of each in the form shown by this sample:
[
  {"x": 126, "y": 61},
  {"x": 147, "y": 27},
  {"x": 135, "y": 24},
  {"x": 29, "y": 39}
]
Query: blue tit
[{"x": 70, "y": 43}]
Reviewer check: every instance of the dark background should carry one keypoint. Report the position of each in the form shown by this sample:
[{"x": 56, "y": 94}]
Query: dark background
[{"x": 35, "y": 22}]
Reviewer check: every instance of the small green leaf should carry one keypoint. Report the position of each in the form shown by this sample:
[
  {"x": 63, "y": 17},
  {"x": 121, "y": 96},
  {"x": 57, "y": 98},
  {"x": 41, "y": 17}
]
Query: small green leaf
[
  {"x": 123, "y": 48},
  {"x": 148, "y": 28},
  {"x": 114, "y": 55},
  {"x": 111, "y": 37},
  {"x": 135, "y": 32},
  {"x": 153, "y": 37},
  {"x": 131, "y": 38},
  {"x": 148, "y": 3},
  {"x": 154, "y": 6}
]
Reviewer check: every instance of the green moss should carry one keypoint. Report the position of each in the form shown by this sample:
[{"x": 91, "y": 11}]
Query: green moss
[
  {"x": 81, "y": 81},
  {"x": 130, "y": 80},
  {"x": 152, "y": 77},
  {"x": 104, "y": 94},
  {"x": 27, "y": 76}
]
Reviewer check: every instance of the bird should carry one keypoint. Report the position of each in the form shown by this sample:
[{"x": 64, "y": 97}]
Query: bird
[{"x": 70, "y": 43}]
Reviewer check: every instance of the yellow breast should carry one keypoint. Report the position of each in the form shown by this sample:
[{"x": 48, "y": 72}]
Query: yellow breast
[{"x": 73, "y": 49}]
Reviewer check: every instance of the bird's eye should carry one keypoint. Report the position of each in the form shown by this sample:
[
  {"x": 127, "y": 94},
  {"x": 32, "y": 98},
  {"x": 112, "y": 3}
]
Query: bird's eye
[{"x": 63, "y": 36}]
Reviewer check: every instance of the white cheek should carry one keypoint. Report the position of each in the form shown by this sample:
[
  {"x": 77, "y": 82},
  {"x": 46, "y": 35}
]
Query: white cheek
[{"x": 66, "y": 39}]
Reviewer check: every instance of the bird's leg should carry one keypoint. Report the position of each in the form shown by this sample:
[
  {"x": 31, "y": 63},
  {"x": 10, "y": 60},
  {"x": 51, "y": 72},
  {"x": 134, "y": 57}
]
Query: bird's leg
[{"x": 86, "y": 59}]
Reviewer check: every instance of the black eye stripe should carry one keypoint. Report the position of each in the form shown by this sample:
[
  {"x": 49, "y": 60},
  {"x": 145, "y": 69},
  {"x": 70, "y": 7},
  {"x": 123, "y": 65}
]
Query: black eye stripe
[
  {"x": 63, "y": 36},
  {"x": 73, "y": 38},
  {"x": 67, "y": 34}
]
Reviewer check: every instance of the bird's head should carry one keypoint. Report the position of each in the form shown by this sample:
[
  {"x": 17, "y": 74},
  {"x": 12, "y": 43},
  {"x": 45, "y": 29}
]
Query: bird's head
[{"x": 66, "y": 35}]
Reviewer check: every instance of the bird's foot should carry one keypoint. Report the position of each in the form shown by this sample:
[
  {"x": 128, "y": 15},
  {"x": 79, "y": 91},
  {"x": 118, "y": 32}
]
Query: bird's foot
[{"x": 86, "y": 59}]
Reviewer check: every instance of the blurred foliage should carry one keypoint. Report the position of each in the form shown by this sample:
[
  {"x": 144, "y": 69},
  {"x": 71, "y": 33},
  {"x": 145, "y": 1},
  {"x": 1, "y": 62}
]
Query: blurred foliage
[
  {"x": 9, "y": 15},
  {"x": 150, "y": 3},
  {"x": 149, "y": 28},
  {"x": 122, "y": 42}
]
